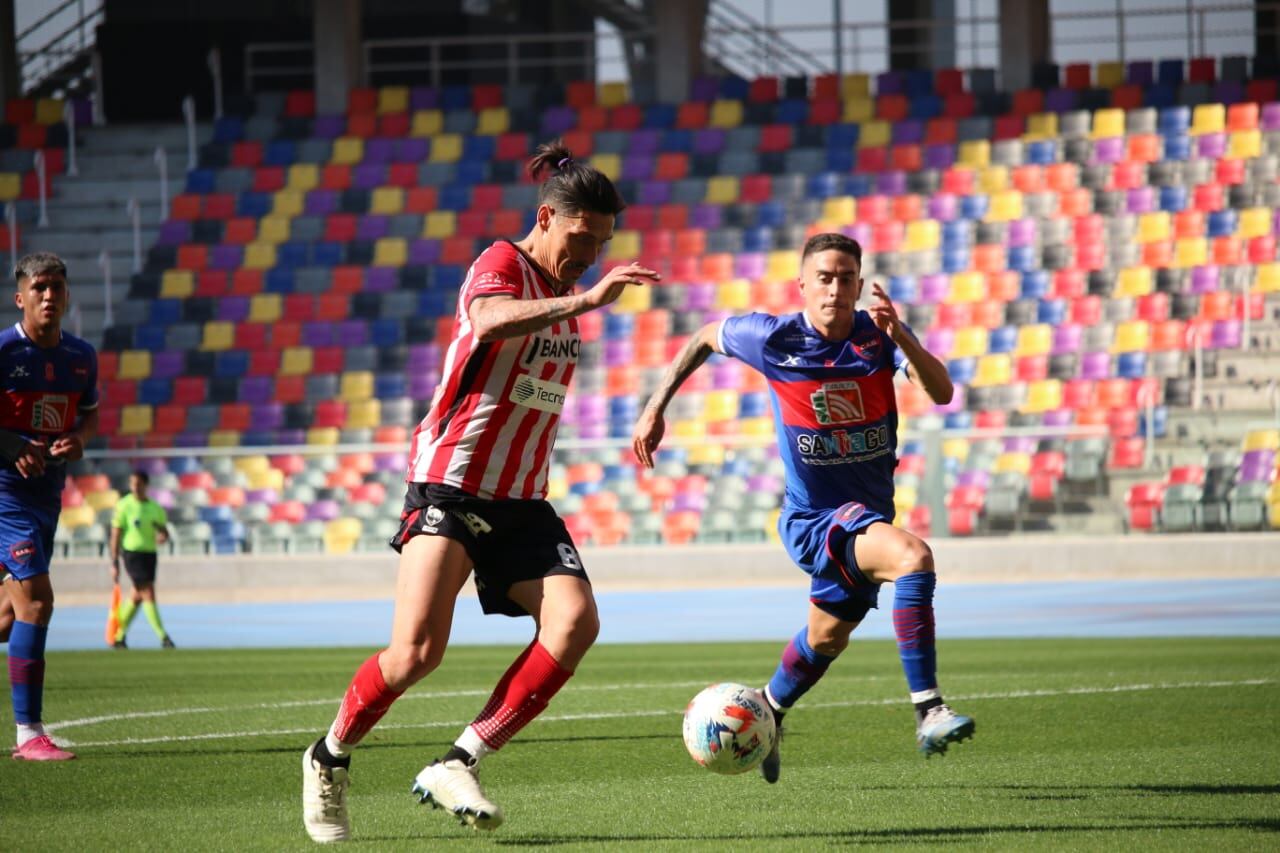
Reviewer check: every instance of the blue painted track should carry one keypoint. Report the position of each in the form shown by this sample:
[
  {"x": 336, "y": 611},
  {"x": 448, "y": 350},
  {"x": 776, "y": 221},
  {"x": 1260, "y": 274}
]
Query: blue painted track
[{"x": 1234, "y": 607}]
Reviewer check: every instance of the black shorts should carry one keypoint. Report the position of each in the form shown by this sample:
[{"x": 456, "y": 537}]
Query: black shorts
[
  {"x": 141, "y": 566},
  {"x": 508, "y": 541}
]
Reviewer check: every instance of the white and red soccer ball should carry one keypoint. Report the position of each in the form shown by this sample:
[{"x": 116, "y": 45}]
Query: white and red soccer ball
[{"x": 728, "y": 729}]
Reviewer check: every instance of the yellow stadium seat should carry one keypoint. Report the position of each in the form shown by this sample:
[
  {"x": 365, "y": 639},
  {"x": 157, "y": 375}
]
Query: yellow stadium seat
[
  {"x": 1273, "y": 514},
  {"x": 265, "y": 307},
  {"x": 956, "y": 448},
  {"x": 347, "y": 151},
  {"x": 782, "y": 265},
  {"x": 446, "y": 148},
  {"x": 340, "y": 535},
  {"x": 725, "y": 113},
  {"x": 302, "y": 176},
  {"x": 426, "y": 123},
  {"x": 1044, "y": 395},
  {"x": 108, "y": 498},
  {"x": 710, "y": 454},
  {"x": 1245, "y": 144},
  {"x": 1005, "y": 206},
  {"x": 1109, "y": 74},
  {"x": 855, "y": 86},
  {"x": 295, "y": 361},
  {"x": 1108, "y": 123},
  {"x": 557, "y": 487},
  {"x": 323, "y": 436},
  {"x": 259, "y": 256},
  {"x": 387, "y": 201},
  {"x": 734, "y": 295},
  {"x": 612, "y": 94},
  {"x": 393, "y": 99},
  {"x": 1041, "y": 126},
  {"x": 391, "y": 252},
  {"x": 875, "y": 134},
  {"x": 273, "y": 229},
  {"x": 439, "y": 224},
  {"x": 610, "y": 165},
  {"x": 177, "y": 284},
  {"x": 994, "y": 369},
  {"x": 49, "y": 111},
  {"x": 721, "y": 405},
  {"x": 624, "y": 246},
  {"x": 218, "y": 335},
  {"x": 1267, "y": 279},
  {"x": 1153, "y": 227},
  {"x": 840, "y": 210},
  {"x": 251, "y": 464},
  {"x": 970, "y": 342},
  {"x": 905, "y": 499},
  {"x": 1132, "y": 336},
  {"x": 974, "y": 153},
  {"x": 1254, "y": 222},
  {"x": 272, "y": 478},
  {"x": 78, "y": 516},
  {"x": 968, "y": 287},
  {"x": 761, "y": 427},
  {"x": 993, "y": 179},
  {"x": 922, "y": 235},
  {"x": 364, "y": 414},
  {"x": 634, "y": 299},
  {"x": 1033, "y": 339},
  {"x": 1191, "y": 252},
  {"x": 10, "y": 186},
  {"x": 1208, "y": 118},
  {"x": 135, "y": 420},
  {"x": 287, "y": 203},
  {"x": 224, "y": 438},
  {"x": 355, "y": 385},
  {"x": 722, "y": 189},
  {"x": 689, "y": 428},
  {"x": 858, "y": 110},
  {"x": 493, "y": 121},
  {"x": 1013, "y": 462},
  {"x": 1262, "y": 439},
  {"x": 1134, "y": 281},
  {"x": 134, "y": 364}
]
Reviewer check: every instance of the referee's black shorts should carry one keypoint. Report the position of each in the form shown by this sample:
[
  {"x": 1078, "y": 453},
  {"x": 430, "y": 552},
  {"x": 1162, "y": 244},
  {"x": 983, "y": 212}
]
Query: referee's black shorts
[{"x": 141, "y": 566}]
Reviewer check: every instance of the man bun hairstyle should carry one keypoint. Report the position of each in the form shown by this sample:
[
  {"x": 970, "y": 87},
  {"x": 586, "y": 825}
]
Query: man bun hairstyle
[
  {"x": 830, "y": 240},
  {"x": 571, "y": 186},
  {"x": 39, "y": 263}
]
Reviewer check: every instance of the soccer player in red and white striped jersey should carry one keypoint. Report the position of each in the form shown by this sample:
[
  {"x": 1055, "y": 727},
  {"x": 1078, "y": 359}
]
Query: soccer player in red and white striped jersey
[{"x": 476, "y": 492}]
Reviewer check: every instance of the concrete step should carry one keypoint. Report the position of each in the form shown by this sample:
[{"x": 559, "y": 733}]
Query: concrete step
[
  {"x": 140, "y": 138},
  {"x": 117, "y": 190},
  {"x": 116, "y": 238},
  {"x": 140, "y": 166}
]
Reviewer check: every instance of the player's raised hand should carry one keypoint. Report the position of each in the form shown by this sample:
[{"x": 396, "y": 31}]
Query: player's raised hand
[
  {"x": 30, "y": 463},
  {"x": 68, "y": 448},
  {"x": 883, "y": 314},
  {"x": 647, "y": 435},
  {"x": 610, "y": 286}
]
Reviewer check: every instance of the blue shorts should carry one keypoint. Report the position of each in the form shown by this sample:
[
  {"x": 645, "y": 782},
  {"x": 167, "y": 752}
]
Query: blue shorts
[
  {"x": 821, "y": 543},
  {"x": 26, "y": 541}
]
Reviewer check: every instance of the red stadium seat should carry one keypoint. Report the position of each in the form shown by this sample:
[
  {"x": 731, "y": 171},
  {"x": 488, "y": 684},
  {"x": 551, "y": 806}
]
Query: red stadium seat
[
  {"x": 1025, "y": 102},
  {"x": 1185, "y": 474},
  {"x": 825, "y": 111},
  {"x": 1126, "y": 453},
  {"x": 763, "y": 90},
  {"x": 1142, "y": 501},
  {"x": 626, "y": 117}
]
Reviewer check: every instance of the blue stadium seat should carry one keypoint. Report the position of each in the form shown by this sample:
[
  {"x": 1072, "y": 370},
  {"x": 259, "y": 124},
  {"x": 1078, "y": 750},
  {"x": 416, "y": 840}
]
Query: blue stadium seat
[
  {"x": 278, "y": 280},
  {"x": 280, "y": 152},
  {"x": 254, "y": 205},
  {"x": 201, "y": 181},
  {"x": 231, "y": 363},
  {"x": 154, "y": 391},
  {"x": 228, "y": 129}
]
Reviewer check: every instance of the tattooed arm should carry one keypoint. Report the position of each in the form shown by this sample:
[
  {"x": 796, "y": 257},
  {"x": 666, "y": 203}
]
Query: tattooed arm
[{"x": 650, "y": 426}]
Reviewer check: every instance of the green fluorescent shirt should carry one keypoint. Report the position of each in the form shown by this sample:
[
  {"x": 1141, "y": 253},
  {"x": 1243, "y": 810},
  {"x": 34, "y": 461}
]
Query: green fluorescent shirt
[{"x": 138, "y": 520}]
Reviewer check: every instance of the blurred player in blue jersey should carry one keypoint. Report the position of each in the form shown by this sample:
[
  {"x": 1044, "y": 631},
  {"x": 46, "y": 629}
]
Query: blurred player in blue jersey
[
  {"x": 48, "y": 412},
  {"x": 830, "y": 371}
]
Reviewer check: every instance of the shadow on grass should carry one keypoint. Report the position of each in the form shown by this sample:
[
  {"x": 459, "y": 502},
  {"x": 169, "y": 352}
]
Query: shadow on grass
[{"x": 1079, "y": 792}]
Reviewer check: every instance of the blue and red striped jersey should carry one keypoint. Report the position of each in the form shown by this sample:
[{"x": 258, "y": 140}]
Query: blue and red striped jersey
[
  {"x": 833, "y": 404},
  {"x": 43, "y": 393}
]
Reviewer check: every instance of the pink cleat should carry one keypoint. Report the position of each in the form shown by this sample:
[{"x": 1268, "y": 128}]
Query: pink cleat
[{"x": 41, "y": 748}]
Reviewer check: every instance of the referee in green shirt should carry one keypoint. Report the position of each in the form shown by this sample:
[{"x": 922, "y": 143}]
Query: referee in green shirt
[{"x": 138, "y": 526}]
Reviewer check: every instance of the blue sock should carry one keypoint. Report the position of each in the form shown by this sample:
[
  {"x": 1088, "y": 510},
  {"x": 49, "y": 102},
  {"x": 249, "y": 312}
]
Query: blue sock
[
  {"x": 913, "y": 623},
  {"x": 26, "y": 670},
  {"x": 799, "y": 669}
]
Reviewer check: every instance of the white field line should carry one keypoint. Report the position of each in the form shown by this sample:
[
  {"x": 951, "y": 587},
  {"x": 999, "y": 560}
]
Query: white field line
[{"x": 607, "y": 715}]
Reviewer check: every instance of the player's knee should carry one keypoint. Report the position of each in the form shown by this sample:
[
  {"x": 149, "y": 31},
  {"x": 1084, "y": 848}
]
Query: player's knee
[
  {"x": 915, "y": 557},
  {"x": 571, "y": 630},
  {"x": 404, "y": 665},
  {"x": 830, "y": 645}
]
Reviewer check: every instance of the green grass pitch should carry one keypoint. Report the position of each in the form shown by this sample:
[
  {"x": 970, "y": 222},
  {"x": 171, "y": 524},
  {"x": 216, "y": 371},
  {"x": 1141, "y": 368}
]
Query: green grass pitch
[{"x": 1081, "y": 744}]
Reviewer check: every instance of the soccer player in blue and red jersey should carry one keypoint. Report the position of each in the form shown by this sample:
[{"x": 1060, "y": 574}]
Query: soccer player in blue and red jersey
[
  {"x": 830, "y": 370},
  {"x": 48, "y": 412}
]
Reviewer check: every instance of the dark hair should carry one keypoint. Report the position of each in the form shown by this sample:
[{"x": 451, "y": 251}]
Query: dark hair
[
  {"x": 39, "y": 263},
  {"x": 825, "y": 242},
  {"x": 571, "y": 185},
  {"x": 143, "y": 477}
]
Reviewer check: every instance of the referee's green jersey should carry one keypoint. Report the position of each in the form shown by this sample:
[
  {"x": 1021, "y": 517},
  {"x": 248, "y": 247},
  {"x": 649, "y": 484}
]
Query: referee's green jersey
[{"x": 138, "y": 520}]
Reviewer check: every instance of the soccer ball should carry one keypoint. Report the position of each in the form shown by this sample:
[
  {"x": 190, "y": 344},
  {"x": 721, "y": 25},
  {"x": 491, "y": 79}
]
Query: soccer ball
[{"x": 728, "y": 729}]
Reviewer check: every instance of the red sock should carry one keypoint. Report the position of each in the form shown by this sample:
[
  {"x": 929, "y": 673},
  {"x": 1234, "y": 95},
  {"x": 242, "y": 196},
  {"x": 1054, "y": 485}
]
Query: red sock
[
  {"x": 367, "y": 699},
  {"x": 522, "y": 694}
]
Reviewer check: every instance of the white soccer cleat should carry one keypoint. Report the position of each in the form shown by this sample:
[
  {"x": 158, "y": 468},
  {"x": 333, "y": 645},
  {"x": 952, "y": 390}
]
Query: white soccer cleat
[
  {"x": 453, "y": 785},
  {"x": 324, "y": 800},
  {"x": 940, "y": 727}
]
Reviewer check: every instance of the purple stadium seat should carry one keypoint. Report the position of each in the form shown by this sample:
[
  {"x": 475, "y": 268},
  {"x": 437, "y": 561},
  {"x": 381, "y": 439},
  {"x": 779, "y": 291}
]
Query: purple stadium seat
[
  {"x": 939, "y": 341},
  {"x": 1022, "y": 232},
  {"x": 422, "y": 386},
  {"x": 704, "y": 89},
  {"x": 424, "y": 98},
  {"x": 750, "y": 265},
  {"x": 1204, "y": 279},
  {"x": 1109, "y": 150},
  {"x": 261, "y": 496},
  {"x": 1270, "y": 116},
  {"x": 1020, "y": 444},
  {"x": 1212, "y": 146},
  {"x": 637, "y": 167},
  {"x": 653, "y": 192},
  {"x": 379, "y": 150},
  {"x": 559, "y": 120},
  {"x": 168, "y": 364},
  {"x": 368, "y": 176},
  {"x": 1142, "y": 200},
  {"x": 424, "y": 252},
  {"x": 164, "y": 497},
  {"x": 1059, "y": 418},
  {"x": 373, "y": 226},
  {"x": 860, "y": 231},
  {"x": 1257, "y": 465},
  {"x": 329, "y": 127},
  {"x": 256, "y": 389},
  {"x": 890, "y": 83},
  {"x": 726, "y": 375},
  {"x": 939, "y": 156},
  {"x": 708, "y": 141},
  {"x": 689, "y": 502},
  {"x": 320, "y": 202},
  {"x": 943, "y": 207},
  {"x": 352, "y": 333},
  {"x": 323, "y": 511},
  {"x": 1095, "y": 365},
  {"x": 268, "y": 415},
  {"x": 978, "y": 478},
  {"x": 173, "y": 232},
  {"x": 423, "y": 357},
  {"x": 1066, "y": 338},
  {"x": 380, "y": 279},
  {"x": 619, "y": 351},
  {"x": 317, "y": 334},
  {"x": 1226, "y": 334},
  {"x": 396, "y": 462},
  {"x": 934, "y": 288},
  {"x": 226, "y": 257},
  {"x": 706, "y": 216},
  {"x": 233, "y": 309},
  {"x": 644, "y": 141},
  {"x": 699, "y": 296},
  {"x": 891, "y": 183}
]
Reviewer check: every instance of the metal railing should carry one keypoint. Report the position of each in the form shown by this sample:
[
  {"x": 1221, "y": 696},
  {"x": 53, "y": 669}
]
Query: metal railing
[{"x": 50, "y": 46}]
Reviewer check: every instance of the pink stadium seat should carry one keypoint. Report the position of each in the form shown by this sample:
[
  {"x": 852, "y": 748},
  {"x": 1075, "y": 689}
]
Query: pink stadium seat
[{"x": 1142, "y": 501}]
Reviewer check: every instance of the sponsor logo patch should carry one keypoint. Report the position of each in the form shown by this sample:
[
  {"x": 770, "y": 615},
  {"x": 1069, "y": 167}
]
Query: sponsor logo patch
[
  {"x": 538, "y": 394},
  {"x": 23, "y": 551},
  {"x": 50, "y": 412},
  {"x": 838, "y": 403},
  {"x": 431, "y": 518}
]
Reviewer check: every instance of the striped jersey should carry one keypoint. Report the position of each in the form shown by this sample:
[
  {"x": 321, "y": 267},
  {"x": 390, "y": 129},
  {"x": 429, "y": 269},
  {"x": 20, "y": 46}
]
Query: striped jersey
[
  {"x": 494, "y": 416},
  {"x": 43, "y": 394},
  {"x": 833, "y": 404}
]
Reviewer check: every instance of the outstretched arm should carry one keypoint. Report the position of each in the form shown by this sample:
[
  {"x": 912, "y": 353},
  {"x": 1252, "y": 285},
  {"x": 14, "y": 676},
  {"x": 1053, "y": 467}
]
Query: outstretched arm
[
  {"x": 923, "y": 367},
  {"x": 650, "y": 426}
]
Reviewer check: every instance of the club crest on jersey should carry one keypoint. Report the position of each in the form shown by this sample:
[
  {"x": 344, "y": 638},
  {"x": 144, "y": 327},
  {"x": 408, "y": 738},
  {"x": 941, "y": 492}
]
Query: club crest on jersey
[
  {"x": 868, "y": 347},
  {"x": 838, "y": 403},
  {"x": 431, "y": 519},
  {"x": 50, "y": 412}
]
